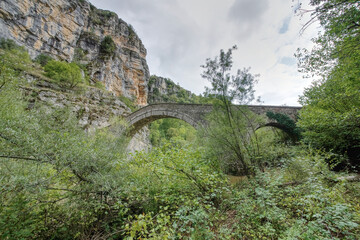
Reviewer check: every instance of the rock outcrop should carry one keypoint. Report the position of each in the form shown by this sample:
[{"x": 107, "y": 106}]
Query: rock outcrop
[
  {"x": 163, "y": 90},
  {"x": 95, "y": 108},
  {"x": 75, "y": 30}
]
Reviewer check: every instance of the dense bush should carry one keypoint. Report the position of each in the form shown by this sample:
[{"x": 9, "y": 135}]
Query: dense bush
[
  {"x": 286, "y": 124},
  {"x": 43, "y": 59},
  {"x": 168, "y": 129},
  {"x": 107, "y": 46},
  {"x": 13, "y": 57},
  {"x": 8, "y": 44},
  {"x": 66, "y": 74},
  {"x": 330, "y": 116}
]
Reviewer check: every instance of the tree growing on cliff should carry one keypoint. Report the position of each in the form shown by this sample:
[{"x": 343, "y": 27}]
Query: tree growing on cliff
[
  {"x": 107, "y": 46},
  {"x": 66, "y": 74},
  {"x": 232, "y": 127}
]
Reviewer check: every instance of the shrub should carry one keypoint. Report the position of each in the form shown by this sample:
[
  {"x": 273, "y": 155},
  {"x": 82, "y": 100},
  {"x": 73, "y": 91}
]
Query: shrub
[
  {"x": 43, "y": 59},
  {"x": 128, "y": 102},
  {"x": 100, "y": 85},
  {"x": 107, "y": 46},
  {"x": 288, "y": 125},
  {"x": 132, "y": 33},
  {"x": 99, "y": 16},
  {"x": 80, "y": 54},
  {"x": 8, "y": 44},
  {"x": 67, "y": 74},
  {"x": 13, "y": 56}
]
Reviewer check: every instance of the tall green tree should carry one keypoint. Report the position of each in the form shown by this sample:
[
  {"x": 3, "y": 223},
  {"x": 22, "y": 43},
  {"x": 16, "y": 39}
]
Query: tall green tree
[
  {"x": 331, "y": 113},
  {"x": 231, "y": 126},
  {"x": 66, "y": 74}
]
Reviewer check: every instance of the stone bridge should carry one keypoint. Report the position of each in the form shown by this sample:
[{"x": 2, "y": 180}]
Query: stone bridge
[{"x": 194, "y": 114}]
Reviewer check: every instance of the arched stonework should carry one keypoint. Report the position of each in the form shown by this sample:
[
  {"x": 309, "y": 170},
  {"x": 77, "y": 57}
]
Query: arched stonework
[{"x": 194, "y": 114}]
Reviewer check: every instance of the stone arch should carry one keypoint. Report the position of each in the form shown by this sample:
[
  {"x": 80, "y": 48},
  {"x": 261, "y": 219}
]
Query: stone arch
[
  {"x": 144, "y": 116},
  {"x": 194, "y": 114},
  {"x": 280, "y": 126}
]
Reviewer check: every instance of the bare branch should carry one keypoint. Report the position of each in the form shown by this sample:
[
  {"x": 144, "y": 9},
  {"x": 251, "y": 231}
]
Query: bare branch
[{"x": 23, "y": 158}]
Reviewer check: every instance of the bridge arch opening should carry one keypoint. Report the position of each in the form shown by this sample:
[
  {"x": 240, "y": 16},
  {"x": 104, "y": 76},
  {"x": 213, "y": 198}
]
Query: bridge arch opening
[
  {"x": 146, "y": 118},
  {"x": 171, "y": 129},
  {"x": 279, "y": 133}
]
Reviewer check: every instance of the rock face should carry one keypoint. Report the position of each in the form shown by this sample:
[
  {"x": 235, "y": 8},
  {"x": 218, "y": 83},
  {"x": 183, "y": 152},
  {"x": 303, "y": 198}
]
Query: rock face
[
  {"x": 94, "y": 108},
  {"x": 75, "y": 30},
  {"x": 164, "y": 90}
]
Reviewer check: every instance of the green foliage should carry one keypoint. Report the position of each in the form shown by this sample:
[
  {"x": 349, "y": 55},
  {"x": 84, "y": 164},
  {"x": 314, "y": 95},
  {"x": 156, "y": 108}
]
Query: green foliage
[
  {"x": 238, "y": 88},
  {"x": 99, "y": 16},
  {"x": 66, "y": 74},
  {"x": 339, "y": 40},
  {"x": 59, "y": 182},
  {"x": 331, "y": 114},
  {"x": 43, "y": 59},
  {"x": 100, "y": 85},
  {"x": 152, "y": 80},
  {"x": 13, "y": 61},
  {"x": 52, "y": 170},
  {"x": 79, "y": 54},
  {"x": 8, "y": 44},
  {"x": 231, "y": 127},
  {"x": 273, "y": 146},
  {"x": 268, "y": 206},
  {"x": 228, "y": 139},
  {"x": 174, "y": 93},
  {"x": 286, "y": 124},
  {"x": 90, "y": 36},
  {"x": 107, "y": 46},
  {"x": 177, "y": 184},
  {"x": 13, "y": 56},
  {"x": 168, "y": 129},
  {"x": 132, "y": 34},
  {"x": 129, "y": 102},
  {"x": 328, "y": 123}
]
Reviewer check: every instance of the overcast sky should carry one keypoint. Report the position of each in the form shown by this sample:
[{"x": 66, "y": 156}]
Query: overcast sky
[{"x": 180, "y": 34}]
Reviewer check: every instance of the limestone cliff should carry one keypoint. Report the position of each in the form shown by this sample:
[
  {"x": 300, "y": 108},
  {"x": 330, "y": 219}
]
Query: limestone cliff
[
  {"x": 95, "y": 108},
  {"x": 75, "y": 30},
  {"x": 165, "y": 90}
]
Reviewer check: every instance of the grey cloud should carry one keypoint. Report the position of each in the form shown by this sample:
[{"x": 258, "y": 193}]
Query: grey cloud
[
  {"x": 165, "y": 25},
  {"x": 180, "y": 35},
  {"x": 171, "y": 36},
  {"x": 246, "y": 14}
]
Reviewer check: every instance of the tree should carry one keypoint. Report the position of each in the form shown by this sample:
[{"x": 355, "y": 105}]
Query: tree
[
  {"x": 50, "y": 167},
  {"x": 68, "y": 74},
  {"x": 232, "y": 127},
  {"x": 331, "y": 113},
  {"x": 340, "y": 20}
]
